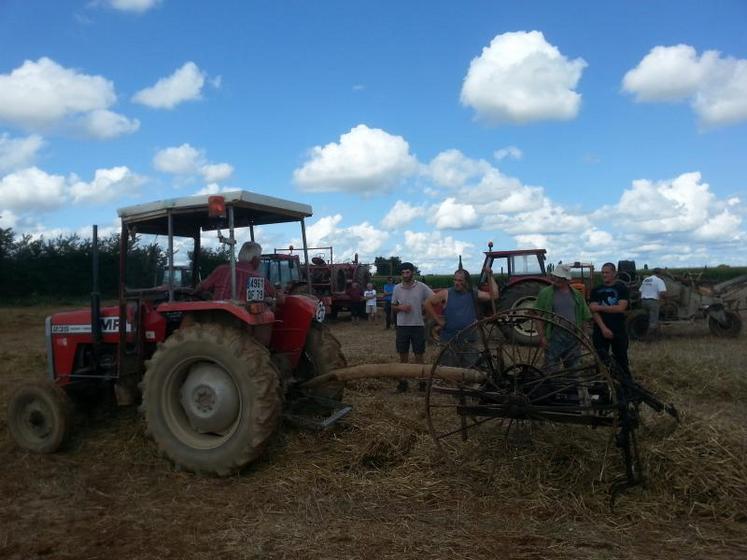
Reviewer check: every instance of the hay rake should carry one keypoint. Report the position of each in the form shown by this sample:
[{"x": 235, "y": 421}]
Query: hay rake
[{"x": 529, "y": 383}]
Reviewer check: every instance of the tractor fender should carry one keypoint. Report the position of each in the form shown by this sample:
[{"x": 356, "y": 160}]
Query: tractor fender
[
  {"x": 289, "y": 334},
  {"x": 262, "y": 318}
]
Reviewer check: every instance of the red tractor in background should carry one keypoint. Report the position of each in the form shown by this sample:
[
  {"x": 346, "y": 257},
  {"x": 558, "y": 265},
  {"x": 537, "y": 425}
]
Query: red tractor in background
[
  {"x": 213, "y": 377},
  {"x": 327, "y": 280}
]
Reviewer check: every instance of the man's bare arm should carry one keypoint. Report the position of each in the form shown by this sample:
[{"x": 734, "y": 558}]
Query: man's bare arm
[{"x": 430, "y": 305}]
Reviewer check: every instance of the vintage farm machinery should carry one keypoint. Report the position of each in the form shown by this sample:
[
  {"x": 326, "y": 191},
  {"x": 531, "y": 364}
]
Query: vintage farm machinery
[
  {"x": 511, "y": 382},
  {"x": 486, "y": 380},
  {"x": 212, "y": 377},
  {"x": 328, "y": 280},
  {"x": 689, "y": 299}
]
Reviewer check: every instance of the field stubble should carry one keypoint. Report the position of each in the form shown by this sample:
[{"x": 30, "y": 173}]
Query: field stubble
[{"x": 374, "y": 486}]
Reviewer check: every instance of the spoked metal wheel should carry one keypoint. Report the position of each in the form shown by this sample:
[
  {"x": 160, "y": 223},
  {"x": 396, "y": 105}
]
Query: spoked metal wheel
[{"x": 563, "y": 382}]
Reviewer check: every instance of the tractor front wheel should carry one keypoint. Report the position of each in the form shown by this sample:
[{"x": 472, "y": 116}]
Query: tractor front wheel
[
  {"x": 211, "y": 398},
  {"x": 39, "y": 416},
  {"x": 729, "y": 329},
  {"x": 520, "y": 297}
]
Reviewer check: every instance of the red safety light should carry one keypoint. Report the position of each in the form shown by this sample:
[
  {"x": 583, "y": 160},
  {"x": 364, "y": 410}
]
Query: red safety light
[{"x": 216, "y": 206}]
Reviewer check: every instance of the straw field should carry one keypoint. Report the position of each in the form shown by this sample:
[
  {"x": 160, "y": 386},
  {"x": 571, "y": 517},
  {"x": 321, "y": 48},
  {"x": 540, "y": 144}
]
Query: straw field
[{"x": 374, "y": 486}]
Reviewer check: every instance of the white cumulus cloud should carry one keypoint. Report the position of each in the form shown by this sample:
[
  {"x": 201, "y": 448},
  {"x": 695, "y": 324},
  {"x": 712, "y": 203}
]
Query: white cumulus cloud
[
  {"x": 136, "y": 6},
  {"x": 178, "y": 160},
  {"x": 105, "y": 124},
  {"x": 186, "y": 160},
  {"x": 431, "y": 251},
  {"x": 402, "y": 213},
  {"x": 365, "y": 160},
  {"x": 716, "y": 86},
  {"x": 451, "y": 214},
  {"x": 451, "y": 168},
  {"x": 598, "y": 238},
  {"x": 520, "y": 78},
  {"x": 363, "y": 239},
  {"x": 214, "y": 188},
  {"x": 17, "y": 153},
  {"x": 724, "y": 226},
  {"x": 497, "y": 193},
  {"x": 510, "y": 152},
  {"x": 107, "y": 185},
  {"x": 549, "y": 218},
  {"x": 40, "y": 95},
  {"x": 8, "y": 219},
  {"x": 185, "y": 84},
  {"x": 32, "y": 189},
  {"x": 216, "y": 172},
  {"x": 677, "y": 205},
  {"x": 320, "y": 230}
]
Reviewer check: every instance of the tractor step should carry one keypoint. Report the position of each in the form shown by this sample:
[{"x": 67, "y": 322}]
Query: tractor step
[{"x": 313, "y": 412}]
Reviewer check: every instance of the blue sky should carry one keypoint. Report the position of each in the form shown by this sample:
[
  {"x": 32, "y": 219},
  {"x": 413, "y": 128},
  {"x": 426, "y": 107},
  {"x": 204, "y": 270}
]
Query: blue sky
[{"x": 598, "y": 130}]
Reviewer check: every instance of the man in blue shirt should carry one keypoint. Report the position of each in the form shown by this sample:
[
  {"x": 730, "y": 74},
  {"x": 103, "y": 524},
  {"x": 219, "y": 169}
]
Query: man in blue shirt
[
  {"x": 456, "y": 309},
  {"x": 388, "y": 291}
]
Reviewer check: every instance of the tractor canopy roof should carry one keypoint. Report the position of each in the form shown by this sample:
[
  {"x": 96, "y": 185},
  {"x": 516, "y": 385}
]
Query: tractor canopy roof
[
  {"x": 516, "y": 253},
  {"x": 190, "y": 214}
]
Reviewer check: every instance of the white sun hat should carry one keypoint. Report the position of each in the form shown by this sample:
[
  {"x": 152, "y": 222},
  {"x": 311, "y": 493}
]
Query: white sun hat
[{"x": 562, "y": 271}]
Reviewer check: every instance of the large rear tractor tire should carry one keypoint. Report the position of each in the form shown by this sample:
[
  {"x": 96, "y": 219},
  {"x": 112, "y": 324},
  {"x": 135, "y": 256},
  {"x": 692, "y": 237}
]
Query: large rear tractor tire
[
  {"x": 521, "y": 297},
  {"x": 636, "y": 323},
  {"x": 322, "y": 353},
  {"x": 39, "y": 416},
  {"x": 211, "y": 398},
  {"x": 730, "y": 329}
]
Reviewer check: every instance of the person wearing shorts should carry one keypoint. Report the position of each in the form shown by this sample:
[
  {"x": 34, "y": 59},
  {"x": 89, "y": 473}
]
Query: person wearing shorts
[
  {"x": 369, "y": 294},
  {"x": 407, "y": 303}
]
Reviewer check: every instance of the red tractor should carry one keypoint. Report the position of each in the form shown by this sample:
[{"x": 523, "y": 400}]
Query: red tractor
[
  {"x": 328, "y": 280},
  {"x": 213, "y": 377}
]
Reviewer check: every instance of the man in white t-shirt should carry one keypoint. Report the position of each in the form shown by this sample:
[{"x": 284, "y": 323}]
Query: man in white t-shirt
[
  {"x": 407, "y": 303},
  {"x": 653, "y": 290}
]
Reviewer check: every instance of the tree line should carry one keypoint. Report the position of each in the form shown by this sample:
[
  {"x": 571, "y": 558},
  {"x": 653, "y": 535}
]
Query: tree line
[{"x": 63, "y": 266}]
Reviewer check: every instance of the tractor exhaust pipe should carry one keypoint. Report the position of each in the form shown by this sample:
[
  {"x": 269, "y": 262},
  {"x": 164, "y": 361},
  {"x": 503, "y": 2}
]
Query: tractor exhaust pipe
[{"x": 96, "y": 300}]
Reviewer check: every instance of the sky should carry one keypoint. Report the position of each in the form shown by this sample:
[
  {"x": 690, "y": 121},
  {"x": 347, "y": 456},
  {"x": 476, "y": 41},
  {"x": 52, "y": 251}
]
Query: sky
[{"x": 599, "y": 131}]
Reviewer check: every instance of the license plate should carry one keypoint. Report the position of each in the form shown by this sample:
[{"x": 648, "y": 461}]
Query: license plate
[{"x": 255, "y": 289}]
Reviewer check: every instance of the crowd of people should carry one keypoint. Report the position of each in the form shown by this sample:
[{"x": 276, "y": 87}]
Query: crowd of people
[{"x": 408, "y": 303}]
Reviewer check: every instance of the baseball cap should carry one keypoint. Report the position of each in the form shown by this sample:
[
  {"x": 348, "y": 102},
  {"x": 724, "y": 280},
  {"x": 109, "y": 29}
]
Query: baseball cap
[
  {"x": 562, "y": 271},
  {"x": 407, "y": 266}
]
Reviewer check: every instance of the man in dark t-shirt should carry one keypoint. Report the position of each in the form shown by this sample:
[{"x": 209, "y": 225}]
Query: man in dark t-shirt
[{"x": 608, "y": 303}]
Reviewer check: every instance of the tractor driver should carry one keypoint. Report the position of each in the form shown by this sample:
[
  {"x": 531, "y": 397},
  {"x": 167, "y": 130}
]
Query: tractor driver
[{"x": 219, "y": 282}]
